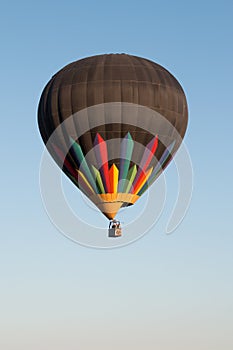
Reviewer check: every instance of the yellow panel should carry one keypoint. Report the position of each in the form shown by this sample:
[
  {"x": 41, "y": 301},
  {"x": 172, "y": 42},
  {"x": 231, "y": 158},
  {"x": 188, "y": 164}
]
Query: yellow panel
[
  {"x": 148, "y": 174},
  {"x": 85, "y": 180}
]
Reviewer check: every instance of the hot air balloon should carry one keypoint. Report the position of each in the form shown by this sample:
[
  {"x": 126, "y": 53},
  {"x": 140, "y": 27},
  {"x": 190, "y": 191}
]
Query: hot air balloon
[{"x": 113, "y": 122}]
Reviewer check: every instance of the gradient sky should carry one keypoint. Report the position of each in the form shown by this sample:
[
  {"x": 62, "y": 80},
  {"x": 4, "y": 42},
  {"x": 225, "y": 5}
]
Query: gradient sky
[{"x": 165, "y": 292}]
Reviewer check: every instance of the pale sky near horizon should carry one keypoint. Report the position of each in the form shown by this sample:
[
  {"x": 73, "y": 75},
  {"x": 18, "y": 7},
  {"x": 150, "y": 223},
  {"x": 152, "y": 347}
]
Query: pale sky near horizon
[{"x": 162, "y": 292}]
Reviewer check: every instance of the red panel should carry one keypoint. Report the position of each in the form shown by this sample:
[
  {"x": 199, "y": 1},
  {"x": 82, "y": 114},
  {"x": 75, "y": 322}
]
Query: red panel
[
  {"x": 65, "y": 162},
  {"x": 101, "y": 153},
  {"x": 146, "y": 159},
  {"x": 152, "y": 146}
]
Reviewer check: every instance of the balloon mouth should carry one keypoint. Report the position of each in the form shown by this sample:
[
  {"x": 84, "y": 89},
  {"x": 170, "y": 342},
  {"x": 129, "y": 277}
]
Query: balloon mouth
[{"x": 110, "y": 203}]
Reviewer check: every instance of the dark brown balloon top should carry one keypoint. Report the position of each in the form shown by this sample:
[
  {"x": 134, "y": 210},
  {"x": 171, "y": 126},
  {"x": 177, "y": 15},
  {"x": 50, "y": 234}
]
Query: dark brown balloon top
[
  {"x": 111, "y": 78},
  {"x": 98, "y": 81}
]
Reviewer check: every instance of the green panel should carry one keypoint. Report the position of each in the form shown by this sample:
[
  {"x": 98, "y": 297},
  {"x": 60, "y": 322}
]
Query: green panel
[
  {"x": 127, "y": 145},
  {"x": 99, "y": 181},
  {"x": 130, "y": 177},
  {"x": 84, "y": 166}
]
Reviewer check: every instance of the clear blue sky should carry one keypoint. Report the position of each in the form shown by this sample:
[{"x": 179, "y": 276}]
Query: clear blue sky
[{"x": 162, "y": 292}]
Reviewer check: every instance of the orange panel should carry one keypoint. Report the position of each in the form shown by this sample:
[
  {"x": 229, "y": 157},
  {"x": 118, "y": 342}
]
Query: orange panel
[{"x": 113, "y": 178}]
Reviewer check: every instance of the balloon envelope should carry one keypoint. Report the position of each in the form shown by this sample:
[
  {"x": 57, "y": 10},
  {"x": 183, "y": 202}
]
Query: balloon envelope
[{"x": 112, "y": 123}]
